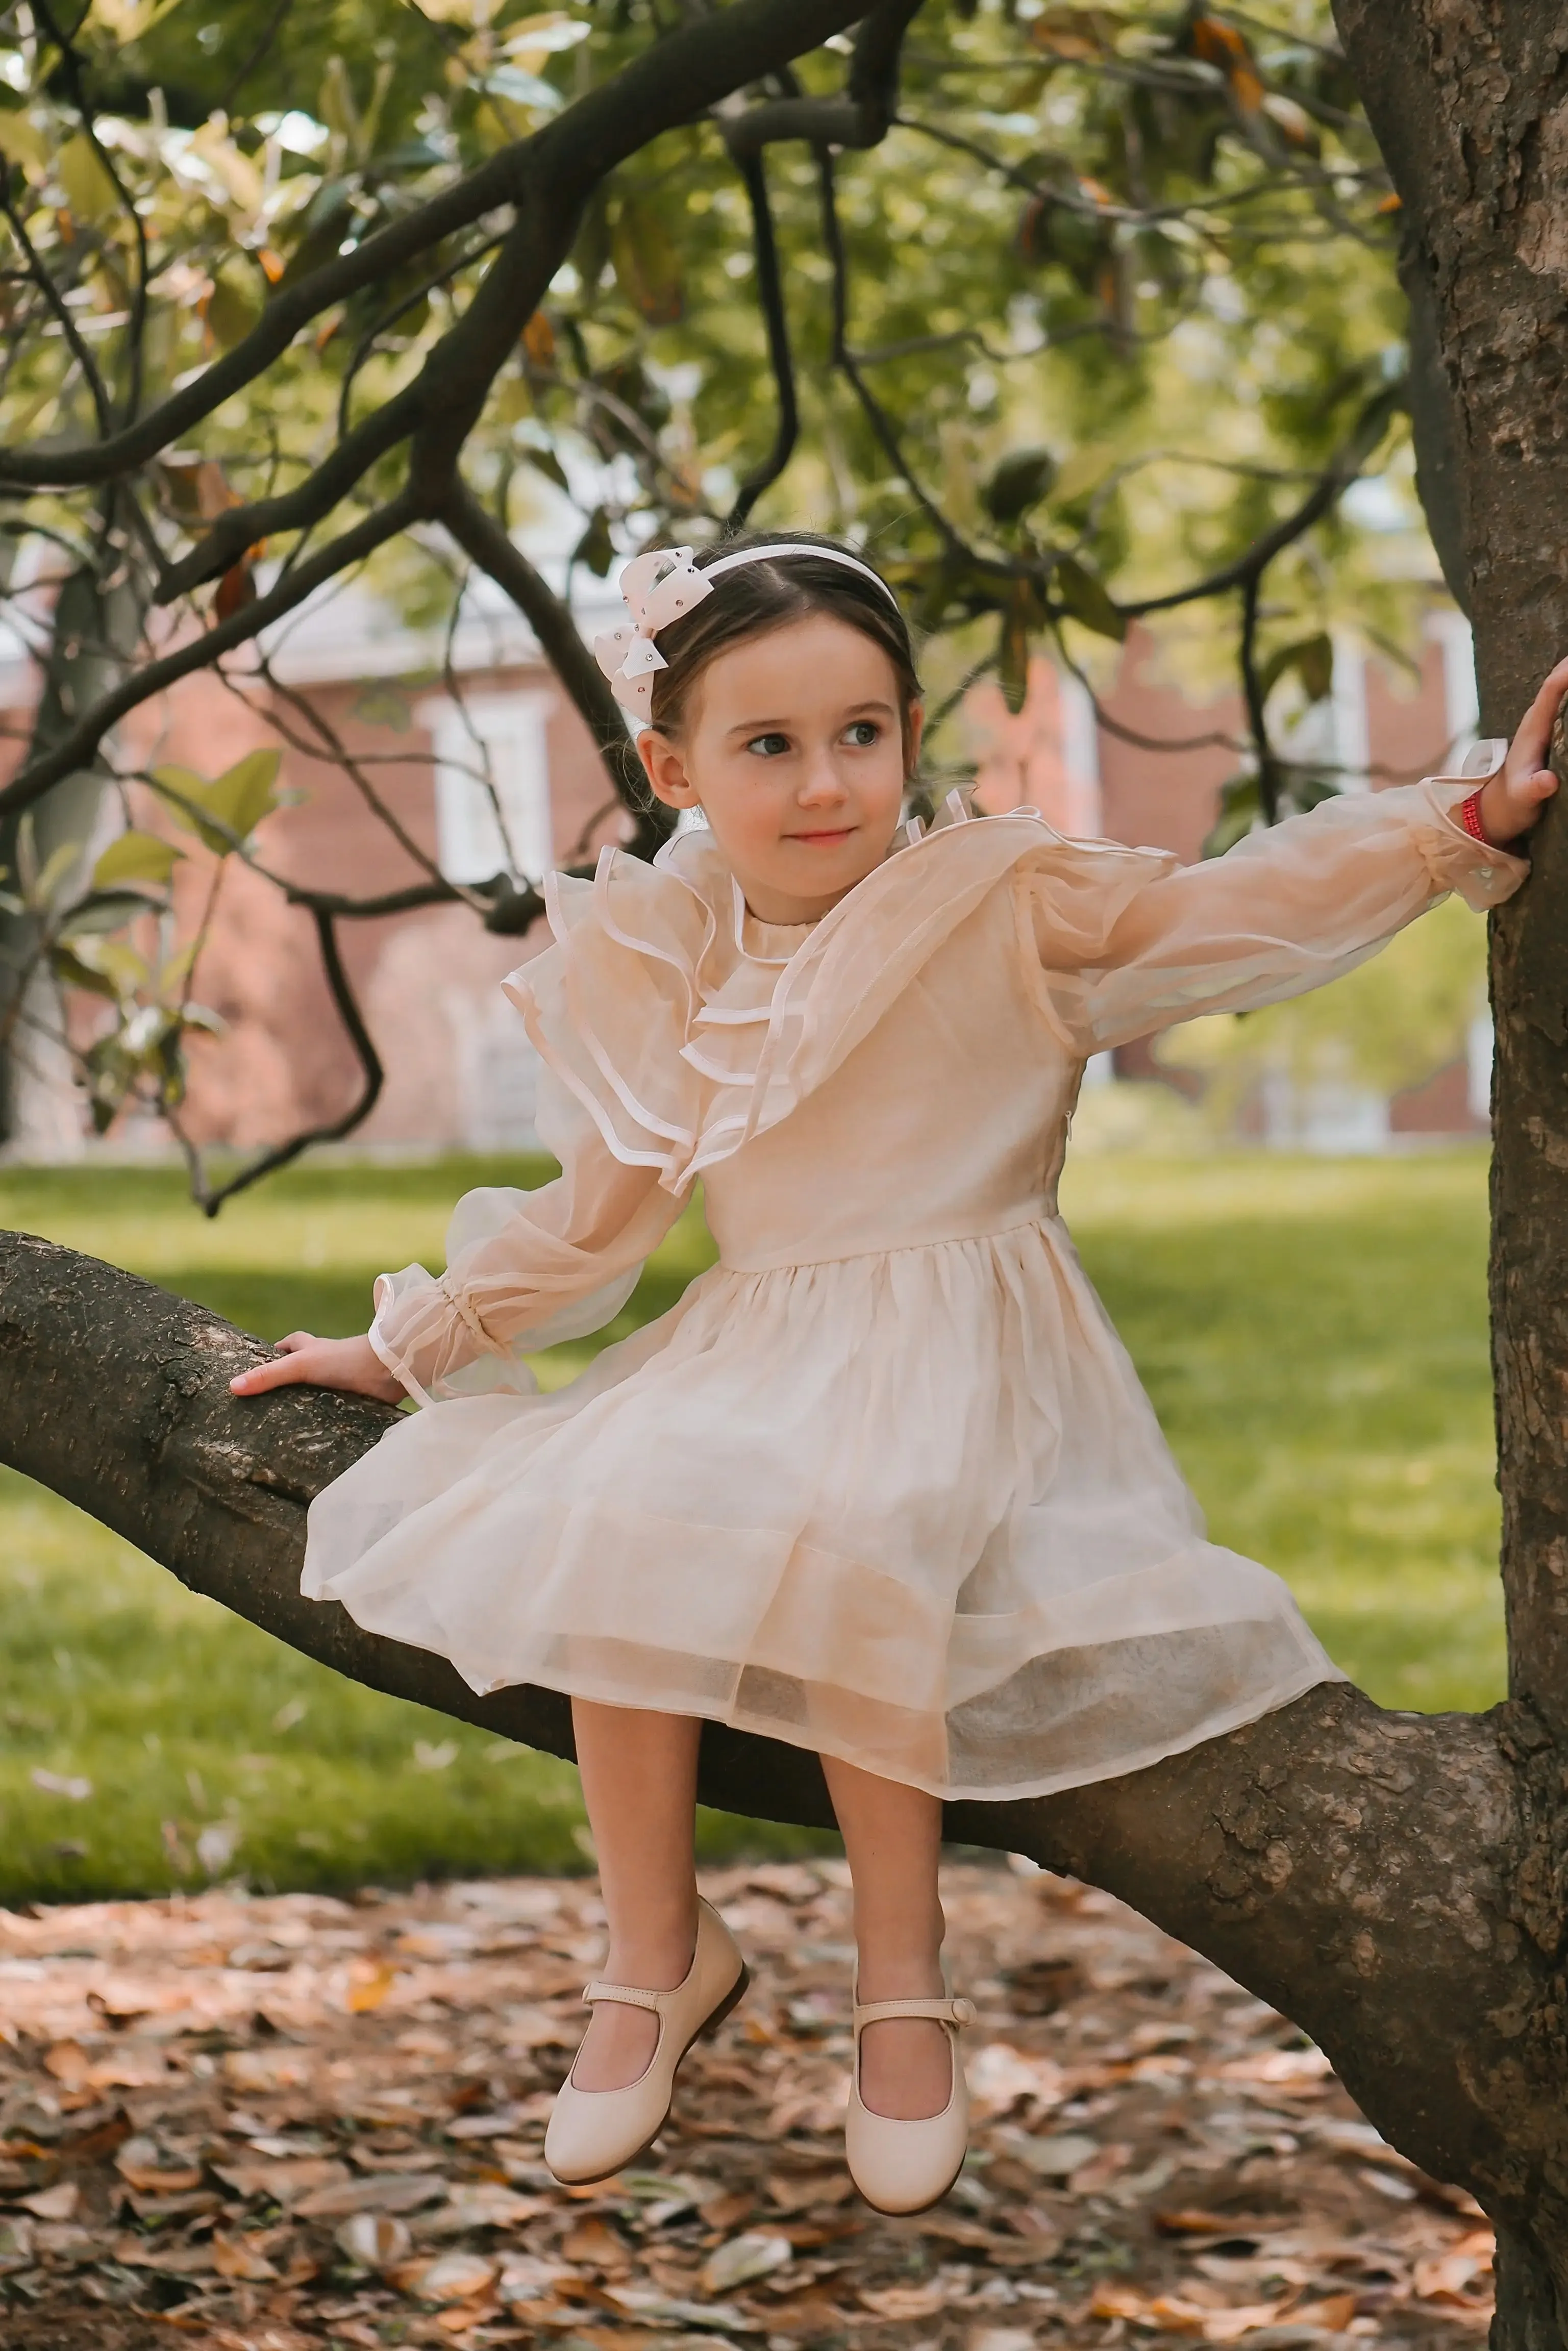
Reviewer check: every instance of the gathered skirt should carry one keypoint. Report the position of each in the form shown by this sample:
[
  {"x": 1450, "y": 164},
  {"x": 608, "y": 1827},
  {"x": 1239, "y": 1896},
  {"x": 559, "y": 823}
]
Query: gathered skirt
[{"x": 910, "y": 1509}]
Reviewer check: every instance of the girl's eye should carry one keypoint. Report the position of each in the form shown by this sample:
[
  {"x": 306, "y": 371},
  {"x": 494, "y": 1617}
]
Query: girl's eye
[
  {"x": 863, "y": 733},
  {"x": 768, "y": 746}
]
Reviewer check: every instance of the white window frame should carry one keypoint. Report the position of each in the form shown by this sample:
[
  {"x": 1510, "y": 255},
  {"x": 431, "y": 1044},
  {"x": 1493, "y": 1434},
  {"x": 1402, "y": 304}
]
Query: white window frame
[{"x": 471, "y": 844}]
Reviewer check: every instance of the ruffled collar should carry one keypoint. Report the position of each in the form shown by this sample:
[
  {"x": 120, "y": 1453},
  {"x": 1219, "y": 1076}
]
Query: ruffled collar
[
  {"x": 694, "y": 858},
  {"x": 684, "y": 1029}
]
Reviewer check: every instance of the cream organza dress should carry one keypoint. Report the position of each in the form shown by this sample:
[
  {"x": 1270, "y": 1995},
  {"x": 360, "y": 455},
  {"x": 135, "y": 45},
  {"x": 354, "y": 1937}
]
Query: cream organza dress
[{"x": 884, "y": 1483}]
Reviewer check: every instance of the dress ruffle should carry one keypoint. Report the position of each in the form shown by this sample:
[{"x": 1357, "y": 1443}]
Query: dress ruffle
[{"x": 681, "y": 1045}]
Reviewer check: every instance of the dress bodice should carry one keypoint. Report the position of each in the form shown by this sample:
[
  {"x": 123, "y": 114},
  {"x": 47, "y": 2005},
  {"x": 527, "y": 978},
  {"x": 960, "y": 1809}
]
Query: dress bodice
[{"x": 900, "y": 1073}]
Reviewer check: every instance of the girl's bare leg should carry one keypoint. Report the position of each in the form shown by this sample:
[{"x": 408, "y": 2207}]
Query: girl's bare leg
[
  {"x": 893, "y": 1836},
  {"x": 639, "y": 1782}
]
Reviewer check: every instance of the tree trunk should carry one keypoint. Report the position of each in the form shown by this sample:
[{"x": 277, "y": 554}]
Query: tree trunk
[
  {"x": 96, "y": 629},
  {"x": 1469, "y": 99}
]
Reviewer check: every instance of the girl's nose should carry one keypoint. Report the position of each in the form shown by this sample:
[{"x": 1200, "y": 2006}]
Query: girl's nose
[{"x": 821, "y": 781}]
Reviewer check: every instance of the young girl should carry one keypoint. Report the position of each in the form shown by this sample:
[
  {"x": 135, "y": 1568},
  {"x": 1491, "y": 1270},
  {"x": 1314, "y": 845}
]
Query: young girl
[{"x": 884, "y": 1483}]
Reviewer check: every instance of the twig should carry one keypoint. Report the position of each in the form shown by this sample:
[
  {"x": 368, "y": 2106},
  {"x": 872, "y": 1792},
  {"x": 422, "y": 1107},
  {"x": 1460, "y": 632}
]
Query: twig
[
  {"x": 209, "y": 1197},
  {"x": 770, "y": 294},
  {"x": 79, "y": 748}
]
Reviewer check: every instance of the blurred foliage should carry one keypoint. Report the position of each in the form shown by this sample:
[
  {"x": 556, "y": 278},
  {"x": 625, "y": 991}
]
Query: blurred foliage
[
  {"x": 1388, "y": 1025},
  {"x": 1111, "y": 294}
]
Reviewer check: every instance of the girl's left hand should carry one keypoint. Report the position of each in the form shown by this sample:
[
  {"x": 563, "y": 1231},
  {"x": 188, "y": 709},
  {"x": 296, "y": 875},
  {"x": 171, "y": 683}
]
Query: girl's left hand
[{"x": 1511, "y": 799}]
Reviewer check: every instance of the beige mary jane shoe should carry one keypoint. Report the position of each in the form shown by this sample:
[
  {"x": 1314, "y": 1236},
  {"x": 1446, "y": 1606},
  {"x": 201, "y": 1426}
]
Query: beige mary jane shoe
[
  {"x": 906, "y": 2167},
  {"x": 593, "y": 2133}
]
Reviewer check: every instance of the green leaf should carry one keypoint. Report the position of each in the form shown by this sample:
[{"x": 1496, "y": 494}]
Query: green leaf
[
  {"x": 60, "y": 861},
  {"x": 1013, "y": 661},
  {"x": 647, "y": 264},
  {"x": 238, "y": 800},
  {"x": 246, "y": 792},
  {"x": 596, "y": 548},
  {"x": 135, "y": 857},
  {"x": 21, "y": 142},
  {"x": 549, "y": 465},
  {"x": 71, "y": 972},
  {"x": 84, "y": 181},
  {"x": 1020, "y": 481},
  {"x": 1311, "y": 658},
  {"x": 116, "y": 969},
  {"x": 110, "y": 910},
  {"x": 1088, "y": 599},
  {"x": 235, "y": 303},
  {"x": 1240, "y": 808}
]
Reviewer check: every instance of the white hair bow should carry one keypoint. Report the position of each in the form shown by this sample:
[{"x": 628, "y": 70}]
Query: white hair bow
[{"x": 658, "y": 587}]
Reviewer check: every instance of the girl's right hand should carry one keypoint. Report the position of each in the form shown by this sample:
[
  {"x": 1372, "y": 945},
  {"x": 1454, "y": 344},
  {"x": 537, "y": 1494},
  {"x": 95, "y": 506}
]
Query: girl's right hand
[{"x": 302, "y": 1360}]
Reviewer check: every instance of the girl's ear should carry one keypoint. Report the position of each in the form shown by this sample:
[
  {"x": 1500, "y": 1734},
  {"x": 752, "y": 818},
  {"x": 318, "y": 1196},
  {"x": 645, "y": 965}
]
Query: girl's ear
[{"x": 665, "y": 770}]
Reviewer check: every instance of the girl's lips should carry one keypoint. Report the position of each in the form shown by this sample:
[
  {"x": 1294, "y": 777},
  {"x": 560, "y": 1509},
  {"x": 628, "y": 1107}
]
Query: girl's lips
[{"x": 841, "y": 832}]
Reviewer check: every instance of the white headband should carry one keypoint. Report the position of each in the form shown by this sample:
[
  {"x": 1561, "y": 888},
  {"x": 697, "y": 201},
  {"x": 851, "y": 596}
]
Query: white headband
[{"x": 660, "y": 586}]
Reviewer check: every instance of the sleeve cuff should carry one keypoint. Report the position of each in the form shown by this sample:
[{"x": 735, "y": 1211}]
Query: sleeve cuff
[
  {"x": 1482, "y": 875},
  {"x": 382, "y": 1297}
]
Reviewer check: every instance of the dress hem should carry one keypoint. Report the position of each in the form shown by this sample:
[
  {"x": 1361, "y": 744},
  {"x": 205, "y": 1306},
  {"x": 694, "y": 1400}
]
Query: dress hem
[{"x": 1248, "y": 1709}]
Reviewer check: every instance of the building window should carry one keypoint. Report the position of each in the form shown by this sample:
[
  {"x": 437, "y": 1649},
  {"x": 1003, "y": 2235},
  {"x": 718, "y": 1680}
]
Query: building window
[{"x": 492, "y": 785}]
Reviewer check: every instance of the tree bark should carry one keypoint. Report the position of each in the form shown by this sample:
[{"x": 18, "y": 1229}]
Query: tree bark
[
  {"x": 1468, "y": 101},
  {"x": 1353, "y": 1867}
]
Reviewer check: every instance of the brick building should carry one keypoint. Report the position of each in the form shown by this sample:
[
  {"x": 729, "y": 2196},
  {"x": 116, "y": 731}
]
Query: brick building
[{"x": 459, "y": 1070}]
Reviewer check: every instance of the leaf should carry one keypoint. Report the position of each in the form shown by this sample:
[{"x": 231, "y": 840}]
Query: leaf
[
  {"x": 1311, "y": 658},
  {"x": 373, "y": 2241},
  {"x": 238, "y": 800},
  {"x": 197, "y": 488},
  {"x": 234, "y": 591},
  {"x": 135, "y": 857},
  {"x": 58, "y": 1783},
  {"x": 116, "y": 969},
  {"x": 1240, "y": 806},
  {"x": 88, "y": 188},
  {"x": 596, "y": 548},
  {"x": 755, "y": 2254},
  {"x": 1012, "y": 663},
  {"x": 538, "y": 339},
  {"x": 71, "y": 972},
  {"x": 647, "y": 265},
  {"x": 1075, "y": 34},
  {"x": 1020, "y": 481},
  {"x": 107, "y": 910},
  {"x": 1221, "y": 44},
  {"x": 234, "y": 304},
  {"x": 549, "y": 465},
  {"x": 22, "y": 142},
  {"x": 1088, "y": 599}
]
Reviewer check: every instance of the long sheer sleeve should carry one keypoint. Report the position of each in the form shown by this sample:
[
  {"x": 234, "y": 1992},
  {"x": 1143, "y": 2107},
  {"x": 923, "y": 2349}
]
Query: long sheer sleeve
[
  {"x": 1283, "y": 912},
  {"x": 524, "y": 1268}
]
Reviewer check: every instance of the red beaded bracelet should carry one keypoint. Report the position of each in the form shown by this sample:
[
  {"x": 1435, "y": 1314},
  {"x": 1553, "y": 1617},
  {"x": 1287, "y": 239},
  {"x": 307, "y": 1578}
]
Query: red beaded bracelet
[{"x": 1470, "y": 818}]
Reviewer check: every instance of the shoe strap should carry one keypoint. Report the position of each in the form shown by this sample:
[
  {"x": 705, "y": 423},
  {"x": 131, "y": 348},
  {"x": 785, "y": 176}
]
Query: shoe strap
[
  {"x": 937, "y": 2012},
  {"x": 625, "y": 1995}
]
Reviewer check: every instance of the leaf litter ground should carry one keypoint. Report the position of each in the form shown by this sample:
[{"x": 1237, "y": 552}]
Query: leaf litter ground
[{"x": 238, "y": 2123}]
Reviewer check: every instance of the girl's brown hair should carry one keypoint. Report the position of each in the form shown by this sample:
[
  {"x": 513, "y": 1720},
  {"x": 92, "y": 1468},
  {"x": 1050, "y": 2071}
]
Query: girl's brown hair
[{"x": 757, "y": 596}]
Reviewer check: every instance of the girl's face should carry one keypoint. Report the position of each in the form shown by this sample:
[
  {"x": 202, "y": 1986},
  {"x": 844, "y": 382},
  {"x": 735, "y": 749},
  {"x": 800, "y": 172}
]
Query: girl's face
[{"x": 792, "y": 748}]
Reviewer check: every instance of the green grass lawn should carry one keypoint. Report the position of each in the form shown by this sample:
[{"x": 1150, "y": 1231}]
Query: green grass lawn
[{"x": 1313, "y": 1333}]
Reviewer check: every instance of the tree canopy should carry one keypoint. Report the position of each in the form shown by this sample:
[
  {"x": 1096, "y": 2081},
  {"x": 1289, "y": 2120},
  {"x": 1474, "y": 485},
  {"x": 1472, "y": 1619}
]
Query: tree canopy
[{"x": 295, "y": 295}]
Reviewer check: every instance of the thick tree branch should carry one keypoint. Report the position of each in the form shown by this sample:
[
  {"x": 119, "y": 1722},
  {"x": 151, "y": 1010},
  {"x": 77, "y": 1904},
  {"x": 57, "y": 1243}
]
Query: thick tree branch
[
  {"x": 78, "y": 747},
  {"x": 487, "y": 545},
  {"x": 860, "y": 119},
  {"x": 677, "y": 79},
  {"x": 1351, "y": 1866}
]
